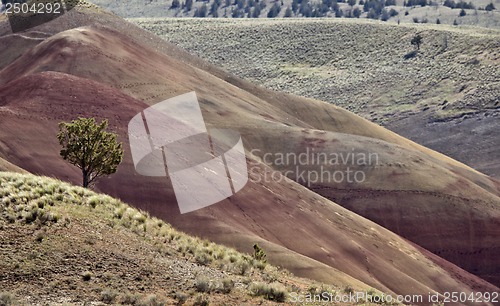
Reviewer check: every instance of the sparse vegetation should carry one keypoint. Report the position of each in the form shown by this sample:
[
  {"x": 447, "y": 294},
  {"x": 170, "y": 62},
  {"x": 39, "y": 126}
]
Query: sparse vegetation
[
  {"x": 87, "y": 209},
  {"x": 355, "y": 80}
]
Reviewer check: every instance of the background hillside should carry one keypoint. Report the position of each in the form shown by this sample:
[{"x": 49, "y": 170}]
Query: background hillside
[
  {"x": 446, "y": 98},
  {"x": 478, "y": 12}
]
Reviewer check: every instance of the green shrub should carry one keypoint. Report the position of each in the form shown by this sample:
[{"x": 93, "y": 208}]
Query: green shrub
[
  {"x": 203, "y": 258},
  {"x": 139, "y": 218},
  {"x": 59, "y": 197},
  {"x": 272, "y": 292},
  {"x": 258, "y": 253},
  {"x": 129, "y": 299},
  {"x": 31, "y": 215},
  {"x": 39, "y": 236},
  {"x": 201, "y": 300},
  {"x": 191, "y": 248},
  {"x": 181, "y": 297},
  {"x": 94, "y": 201},
  {"x": 348, "y": 289},
  {"x": 242, "y": 267},
  {"x": 261, "y": 265},
  {"x": 220, "y": 254},
  {"x": 87, "y": 276},
  {"x": 41, "y": 203},
  {"x": 203, "y": 285},
  {"x": 108, "y": 296},
  {"x": 6, "y": 299},
  {"x": 151, "y": 300},
  {"x": 227, "y": 285},
  {"x": 312, "y": 289},
  {"x": 118, "y": 213}
]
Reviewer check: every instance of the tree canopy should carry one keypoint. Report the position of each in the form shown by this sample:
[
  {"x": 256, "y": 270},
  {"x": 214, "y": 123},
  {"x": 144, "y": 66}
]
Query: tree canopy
[
  {"x": 416, "y": 41},
  {"x": 89, "y": 147}
]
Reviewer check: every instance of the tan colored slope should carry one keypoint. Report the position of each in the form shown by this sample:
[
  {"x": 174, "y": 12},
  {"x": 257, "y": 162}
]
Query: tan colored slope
[{"x": 239, "y": 220}]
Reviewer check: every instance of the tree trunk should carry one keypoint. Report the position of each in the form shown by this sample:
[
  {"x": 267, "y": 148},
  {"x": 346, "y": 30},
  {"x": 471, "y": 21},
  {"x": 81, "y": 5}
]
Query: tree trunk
[{"x": 85, "y": 179}]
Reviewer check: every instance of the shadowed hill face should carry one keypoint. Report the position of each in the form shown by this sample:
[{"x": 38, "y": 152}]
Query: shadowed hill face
[{"x": 101, "y": 73}]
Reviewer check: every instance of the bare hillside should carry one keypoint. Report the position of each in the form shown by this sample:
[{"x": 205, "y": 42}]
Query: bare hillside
[{"x": 447, "y": 97}]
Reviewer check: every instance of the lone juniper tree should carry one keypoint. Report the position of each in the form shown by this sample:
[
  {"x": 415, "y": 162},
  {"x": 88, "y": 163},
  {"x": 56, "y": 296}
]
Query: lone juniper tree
[
  {"x": 88, "y": 146},
  {"x": 416, "y": 41}
]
